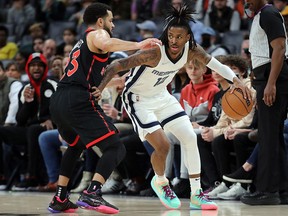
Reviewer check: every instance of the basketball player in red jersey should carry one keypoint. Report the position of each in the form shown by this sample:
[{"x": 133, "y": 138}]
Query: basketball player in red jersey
[{"x": 80, "y": 120}]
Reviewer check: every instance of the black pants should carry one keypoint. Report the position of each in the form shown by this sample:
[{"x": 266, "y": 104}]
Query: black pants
[
  {"x": 271, "y": 172},
  {"x": 208, "y": 164},
  {"x": 27, "y": 139}
]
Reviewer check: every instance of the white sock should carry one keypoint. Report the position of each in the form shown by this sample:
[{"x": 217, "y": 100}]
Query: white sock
[
  {"x": 195, "y": 184},
  {"x": 161, "y": 179}
]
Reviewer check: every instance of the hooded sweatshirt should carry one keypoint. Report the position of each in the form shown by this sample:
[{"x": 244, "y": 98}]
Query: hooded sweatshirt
[{"x": 197, "y": 99}]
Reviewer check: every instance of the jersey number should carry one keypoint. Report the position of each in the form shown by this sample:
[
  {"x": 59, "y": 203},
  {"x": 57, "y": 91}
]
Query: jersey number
[
  {"x": 74, "y": 63},
  {"x": 160, "y": 80}
]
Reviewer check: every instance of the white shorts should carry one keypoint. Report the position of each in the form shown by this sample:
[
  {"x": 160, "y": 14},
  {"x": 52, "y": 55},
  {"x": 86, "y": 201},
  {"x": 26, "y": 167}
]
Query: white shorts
[{"x": 148, "y": 114}]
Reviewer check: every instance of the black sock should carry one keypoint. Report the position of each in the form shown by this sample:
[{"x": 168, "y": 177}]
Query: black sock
[
  {"x": 61, "y": 192},
  {"x": 94, "y": 185}
]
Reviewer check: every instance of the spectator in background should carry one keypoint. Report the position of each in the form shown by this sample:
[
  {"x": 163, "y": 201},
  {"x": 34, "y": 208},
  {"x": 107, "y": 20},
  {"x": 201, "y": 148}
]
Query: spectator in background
[
  {"x": 280, "y": 4},
  {"x": 56, "y": 70},
  {"x": 209, "y": 43},
  {"x": 38, "y": 43},
  {"x": 69, "y": 38},
  {"x": 78, "y": 16},
  {"x": 142, "y": 10},
  {"x": 147, "y": 29},
  {"x": 7, "y": 49},
  {"x": 9, "y": 89},
  {"x": 36, "y": 31},
  {"x": 54, "y": 10},
  {"x": 222, "y": 18},
  {"x": 21, "y": 15},
  {"x": 21, "y": 60},
  {"x": 33, "y": 117},
  {"x": 121, "y": 9},
  {"x": 13, "y": 71},
  {"x": 49, "y": 49},
  {"x": 284, "y": 13},
  {"x": 67, "y": 49}
]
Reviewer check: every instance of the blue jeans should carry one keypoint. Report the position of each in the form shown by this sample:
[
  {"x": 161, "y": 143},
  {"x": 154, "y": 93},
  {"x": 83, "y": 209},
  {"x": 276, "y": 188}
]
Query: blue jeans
[{"x": 50, "y": 147}]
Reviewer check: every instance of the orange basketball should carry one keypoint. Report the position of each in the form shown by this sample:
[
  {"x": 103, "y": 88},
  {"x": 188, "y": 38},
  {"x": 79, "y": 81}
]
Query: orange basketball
[{"x": 234, "y": 104}]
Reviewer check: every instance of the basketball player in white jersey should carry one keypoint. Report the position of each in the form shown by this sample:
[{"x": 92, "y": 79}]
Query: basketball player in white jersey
[{"x": 151, "y": 107}]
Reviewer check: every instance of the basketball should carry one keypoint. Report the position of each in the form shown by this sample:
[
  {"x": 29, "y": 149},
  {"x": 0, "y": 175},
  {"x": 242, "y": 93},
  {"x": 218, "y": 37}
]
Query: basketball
[{"x": 235, "y": 105}]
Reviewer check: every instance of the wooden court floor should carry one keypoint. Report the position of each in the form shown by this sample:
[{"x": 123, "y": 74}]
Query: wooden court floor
[{"x": 32, "y": 203}]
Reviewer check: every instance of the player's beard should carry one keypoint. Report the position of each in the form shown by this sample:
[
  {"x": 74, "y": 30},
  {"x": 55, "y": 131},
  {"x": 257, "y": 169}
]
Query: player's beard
[{"x": 108, "y": 30}]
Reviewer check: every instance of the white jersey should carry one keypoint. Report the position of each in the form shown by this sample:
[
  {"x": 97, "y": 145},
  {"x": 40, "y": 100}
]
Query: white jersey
[{"x": 147, "y": 81}]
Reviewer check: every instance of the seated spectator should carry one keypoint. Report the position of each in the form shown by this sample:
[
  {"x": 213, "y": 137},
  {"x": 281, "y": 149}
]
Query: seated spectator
[
  {"x": 210, "y": 44},
  {"x": 222, "y": 18},
  {"x": 56, "y": 71},
  {"x": 13, "y": 71},
  {"x": 121, "y": 9},
  {"x": 54, "y": 10},
  {"x": 33, "y": 117},
  {"x": 147, "y": 29},
  {"x": 7, "y": 49},
  {"x": 36, "y": 33},
  {"x": 9, "y": 89},
  {"x": 143, "y": 10},
  {"x": 21, "y": 59},
  {"x": 49, "y": 49},
  {"x": 69, "y": 38},
  {"x": 223, "y": 136},
  {"x": 50, "y": 143},
  {"x": 21, "y": 15},
  {"x": 38, "y": 44}
]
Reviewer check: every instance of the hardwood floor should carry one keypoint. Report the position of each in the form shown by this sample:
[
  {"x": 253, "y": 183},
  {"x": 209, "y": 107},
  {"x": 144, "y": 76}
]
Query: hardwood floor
[{"x": 32, "y": 203}]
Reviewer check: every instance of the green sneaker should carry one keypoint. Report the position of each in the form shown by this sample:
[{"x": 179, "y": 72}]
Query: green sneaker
[
  {"x": 201, "y": 201},
  {"x": 165, "y": 194}
]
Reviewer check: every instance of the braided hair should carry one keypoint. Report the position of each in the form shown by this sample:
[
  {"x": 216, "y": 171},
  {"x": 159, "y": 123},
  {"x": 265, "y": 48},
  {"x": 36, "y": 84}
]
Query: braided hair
[{"x": 179, "y": 18}]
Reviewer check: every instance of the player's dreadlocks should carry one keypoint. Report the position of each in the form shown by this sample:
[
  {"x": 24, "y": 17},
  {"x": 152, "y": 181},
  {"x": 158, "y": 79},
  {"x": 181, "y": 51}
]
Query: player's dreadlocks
[{"x": 179, "y": 18}]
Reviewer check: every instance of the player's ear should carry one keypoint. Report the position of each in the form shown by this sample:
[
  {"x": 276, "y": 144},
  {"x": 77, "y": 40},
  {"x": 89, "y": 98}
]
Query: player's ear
[
  {"x": 188, "y": 37},
  {"x": 100, "y": 22}
]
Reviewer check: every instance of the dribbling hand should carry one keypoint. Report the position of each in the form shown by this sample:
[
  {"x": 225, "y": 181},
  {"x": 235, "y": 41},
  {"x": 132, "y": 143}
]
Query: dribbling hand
[{"x": 245, "y": 90}]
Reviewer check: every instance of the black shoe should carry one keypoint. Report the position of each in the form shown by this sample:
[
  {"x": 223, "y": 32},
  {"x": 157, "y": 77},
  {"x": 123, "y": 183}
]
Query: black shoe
[
  {"x": 28, "y": 184},
  {"x": 283, "y": 198},
  {"x": 133, "y": 188},
  {"x": 261, "y": 198},
  {"x": 95, "y": 202},
  {"x": 240, "y": 175},
  {"x": 149, "y": 192},
  {"x": 57, "y": 205},
  {"x": 182, "y": 189}
]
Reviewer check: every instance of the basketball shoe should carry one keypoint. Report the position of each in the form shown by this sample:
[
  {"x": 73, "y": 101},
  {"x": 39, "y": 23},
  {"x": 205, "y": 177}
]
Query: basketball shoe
[
  {"x": 57, "y": 205},
  {"x": 200, "y": 201},
  {"x": 95, "y": 202},
  {"x": 165, "y": 194}
]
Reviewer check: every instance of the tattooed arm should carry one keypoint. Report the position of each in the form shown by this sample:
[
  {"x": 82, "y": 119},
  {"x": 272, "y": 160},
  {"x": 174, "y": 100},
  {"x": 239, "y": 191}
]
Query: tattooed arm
[
  {"x": 149, "y": 57},
  {"x": 226, "y": 72}
]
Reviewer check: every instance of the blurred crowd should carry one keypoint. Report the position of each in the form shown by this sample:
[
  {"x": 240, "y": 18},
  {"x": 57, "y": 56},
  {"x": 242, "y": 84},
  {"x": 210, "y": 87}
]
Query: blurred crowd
[{"x": 36, "y": 38}]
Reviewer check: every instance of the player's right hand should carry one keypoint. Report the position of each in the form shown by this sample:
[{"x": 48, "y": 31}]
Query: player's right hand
[
  {"x": 245, "y": 90},
  {"x": 96, "y": 93},
  {"x": 149, "y": 43}
]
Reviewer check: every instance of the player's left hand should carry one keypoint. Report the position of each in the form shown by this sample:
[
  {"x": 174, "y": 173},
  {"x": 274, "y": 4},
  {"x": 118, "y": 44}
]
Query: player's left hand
[
  {"x": 96, "y": 93},
  {"x": 149, "y": 43}
]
